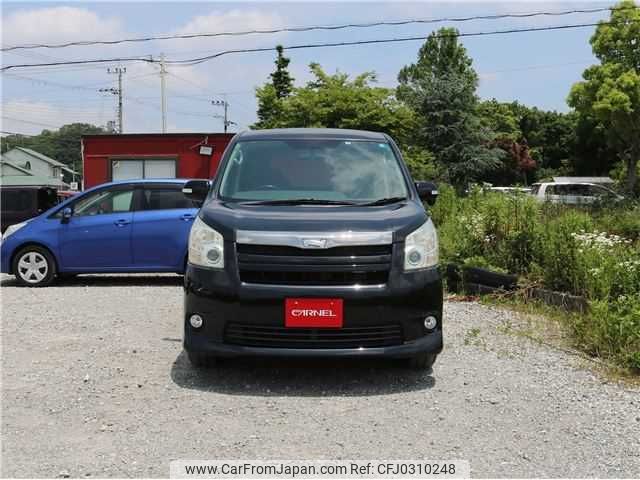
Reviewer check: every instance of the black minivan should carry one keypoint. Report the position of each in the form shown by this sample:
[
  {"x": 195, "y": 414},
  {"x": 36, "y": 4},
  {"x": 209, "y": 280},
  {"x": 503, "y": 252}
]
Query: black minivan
[
  {"x": 20, "y": 203},
  {"x": 311, "y": 243}
]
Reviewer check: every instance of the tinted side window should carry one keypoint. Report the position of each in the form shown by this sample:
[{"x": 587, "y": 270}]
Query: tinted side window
[
  {"x": 582, "y": 190},
  {"x": 47, "y": 198},
  {"x": 164, "y": 198},
  {"x": 562, "y": 189},
  {"x": 601, "y": 192},
  {"x": 104, "y": 202}
]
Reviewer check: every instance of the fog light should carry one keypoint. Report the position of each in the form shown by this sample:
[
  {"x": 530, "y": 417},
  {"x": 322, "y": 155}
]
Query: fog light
[
  {"x": 430, "y": 322},
  {"x": 196, "y": 321}
]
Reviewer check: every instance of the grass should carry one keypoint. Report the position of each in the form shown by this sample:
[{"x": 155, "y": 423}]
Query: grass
[
  {"x": 552, "y": 327},
  {"x": 592, "y": 252}
]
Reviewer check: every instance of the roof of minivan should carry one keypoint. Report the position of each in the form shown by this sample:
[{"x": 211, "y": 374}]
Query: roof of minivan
[{"x": 302, "y": 133}]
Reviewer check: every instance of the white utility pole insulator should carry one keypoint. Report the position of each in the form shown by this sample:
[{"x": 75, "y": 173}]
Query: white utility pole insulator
[{"x": 225, "y": 118}]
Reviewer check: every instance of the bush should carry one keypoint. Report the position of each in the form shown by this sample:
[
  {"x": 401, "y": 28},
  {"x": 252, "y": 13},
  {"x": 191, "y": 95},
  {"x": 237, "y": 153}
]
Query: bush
[
  {"x": 612, "y": 330},
  {"x": 555, "y": 254},
  {"x": 593, "y": 252}
]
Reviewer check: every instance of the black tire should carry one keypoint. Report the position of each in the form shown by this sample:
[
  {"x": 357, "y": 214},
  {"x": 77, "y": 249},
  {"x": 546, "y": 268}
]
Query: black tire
[
  {"x": 423, "y": 361},
  {"x": 67, "y": 276},
  {"x": 488, "y": 278},
  {"x": 199, "y": 360},
  {"x": 34, "y": 266}
]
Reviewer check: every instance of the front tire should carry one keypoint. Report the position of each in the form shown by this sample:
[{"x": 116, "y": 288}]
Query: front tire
[
  {"x": 34, "y": 266},
  {"x": 422, "y": 361}
]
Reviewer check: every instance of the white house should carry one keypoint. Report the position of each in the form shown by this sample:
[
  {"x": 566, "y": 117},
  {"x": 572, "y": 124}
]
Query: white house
[{"x": 23, "y": 166}]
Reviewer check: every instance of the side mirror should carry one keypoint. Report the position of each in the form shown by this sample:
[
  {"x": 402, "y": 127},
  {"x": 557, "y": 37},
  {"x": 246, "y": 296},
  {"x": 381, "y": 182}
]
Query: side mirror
[
  {"x": 196, "y": 190},
  {"x": 427, "y": 191},
  {"x": 67, "y": 213}
]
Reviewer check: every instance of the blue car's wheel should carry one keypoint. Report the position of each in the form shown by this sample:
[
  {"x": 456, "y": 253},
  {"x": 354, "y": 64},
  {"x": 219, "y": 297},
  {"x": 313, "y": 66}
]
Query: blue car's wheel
[{"x": 34, "y": 266}]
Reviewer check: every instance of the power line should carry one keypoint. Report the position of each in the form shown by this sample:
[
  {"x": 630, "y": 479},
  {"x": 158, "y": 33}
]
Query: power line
[
  {"x": 186, "y": 80},
  {"x": 195, "y": 61},
  {"x": 67, "y": 86},
  {"x": 316, "y": 27},
  {"x": 82, "y": 62},
  {"x": 28, "y": 136},
  {"x": 29, "y": 122}
]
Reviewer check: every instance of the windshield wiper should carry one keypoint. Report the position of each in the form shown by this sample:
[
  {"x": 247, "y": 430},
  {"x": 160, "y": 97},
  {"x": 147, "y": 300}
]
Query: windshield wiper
[
  {"x": 301, "y": 201},
  {"x": 384, "y": 201}
]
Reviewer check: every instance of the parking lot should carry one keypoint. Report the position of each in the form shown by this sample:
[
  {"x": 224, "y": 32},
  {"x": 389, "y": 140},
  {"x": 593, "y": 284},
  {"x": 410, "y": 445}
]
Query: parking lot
[{"x": 95, "y": 385}]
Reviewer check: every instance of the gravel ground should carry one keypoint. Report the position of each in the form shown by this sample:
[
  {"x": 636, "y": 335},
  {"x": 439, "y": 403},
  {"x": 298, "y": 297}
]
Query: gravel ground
[{"x": 94, "y": 384}]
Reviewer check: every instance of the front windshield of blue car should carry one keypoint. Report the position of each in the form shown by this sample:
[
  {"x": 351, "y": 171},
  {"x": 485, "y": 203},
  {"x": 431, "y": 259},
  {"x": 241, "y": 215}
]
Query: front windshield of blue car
[{"x": 332, "y": 170}]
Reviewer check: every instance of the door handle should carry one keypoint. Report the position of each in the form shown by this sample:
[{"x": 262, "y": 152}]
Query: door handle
[
  {"x": 121, "y": 223},
  {"x": 187, "y": 217}
]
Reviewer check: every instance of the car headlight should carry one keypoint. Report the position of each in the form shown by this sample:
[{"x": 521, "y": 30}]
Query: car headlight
[
  {"x": 206, "y": 246},
  {"x": 421, "y": 248},
  {"x": 13, "y": 229}
]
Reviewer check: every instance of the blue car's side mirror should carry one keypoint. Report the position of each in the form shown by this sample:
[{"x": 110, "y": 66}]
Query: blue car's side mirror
[{"x": 67, "y": 213}]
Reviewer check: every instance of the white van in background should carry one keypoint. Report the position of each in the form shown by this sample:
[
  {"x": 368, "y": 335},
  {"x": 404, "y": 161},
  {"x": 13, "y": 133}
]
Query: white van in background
[{"x": 574, "y": 193}]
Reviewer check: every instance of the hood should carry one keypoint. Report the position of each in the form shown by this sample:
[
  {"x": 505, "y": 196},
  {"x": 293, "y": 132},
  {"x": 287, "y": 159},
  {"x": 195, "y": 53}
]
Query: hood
[{"x": 227, "y": 218}]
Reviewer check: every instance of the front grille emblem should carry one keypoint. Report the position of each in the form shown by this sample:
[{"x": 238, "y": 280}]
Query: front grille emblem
[{"x": 314, "y": 243}]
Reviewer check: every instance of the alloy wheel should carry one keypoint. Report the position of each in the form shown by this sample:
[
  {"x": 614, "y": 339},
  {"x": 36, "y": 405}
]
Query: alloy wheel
[{"x": 33, "y": 267}]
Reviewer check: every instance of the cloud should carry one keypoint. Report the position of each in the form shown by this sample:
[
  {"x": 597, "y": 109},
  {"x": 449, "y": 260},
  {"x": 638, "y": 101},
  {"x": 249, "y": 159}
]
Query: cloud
[
  {"x": 57, "y": 24},
  {"x": 188, "y": 79},
  {"x": 229, "y": 21},
  {"x": 33, "y": 116},
  {"x": 232, "y": 20}
]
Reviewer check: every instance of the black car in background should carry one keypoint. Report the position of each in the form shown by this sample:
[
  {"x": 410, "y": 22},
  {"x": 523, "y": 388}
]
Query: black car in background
[{"x": 20, "y": 203}]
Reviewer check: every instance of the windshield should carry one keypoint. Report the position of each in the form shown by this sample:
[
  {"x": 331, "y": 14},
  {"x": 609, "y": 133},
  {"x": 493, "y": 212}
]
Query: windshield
[{"x": 321, "y": 170}]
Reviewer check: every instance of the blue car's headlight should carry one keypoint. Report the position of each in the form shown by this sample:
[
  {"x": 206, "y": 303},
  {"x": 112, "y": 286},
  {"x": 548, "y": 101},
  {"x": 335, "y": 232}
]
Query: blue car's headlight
[{"x": 13, "y": 229}]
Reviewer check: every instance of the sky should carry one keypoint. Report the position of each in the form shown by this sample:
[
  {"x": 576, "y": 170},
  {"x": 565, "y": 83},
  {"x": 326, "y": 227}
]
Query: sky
[{"x": 535, "y": 68}]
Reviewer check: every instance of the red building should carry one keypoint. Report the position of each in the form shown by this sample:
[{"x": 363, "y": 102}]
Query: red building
[{"x": 151, "y": 155}]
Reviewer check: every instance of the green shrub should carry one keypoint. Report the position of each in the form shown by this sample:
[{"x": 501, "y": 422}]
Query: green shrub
[
  {"x": 555, "y": 252},
  {"x": 612, "y": 330},
  {"x": 594, "y": 252}
]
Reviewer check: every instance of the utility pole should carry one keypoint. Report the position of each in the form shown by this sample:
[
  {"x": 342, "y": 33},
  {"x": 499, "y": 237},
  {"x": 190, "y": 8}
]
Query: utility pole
[
  {"x": 225, "y": 104},
  {"x": 117, "y": 91},
  {"x": 163, "y": 73}
]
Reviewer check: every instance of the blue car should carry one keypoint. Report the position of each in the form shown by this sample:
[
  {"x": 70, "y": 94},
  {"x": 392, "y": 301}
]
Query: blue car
[{"x": 120, "y": 227}]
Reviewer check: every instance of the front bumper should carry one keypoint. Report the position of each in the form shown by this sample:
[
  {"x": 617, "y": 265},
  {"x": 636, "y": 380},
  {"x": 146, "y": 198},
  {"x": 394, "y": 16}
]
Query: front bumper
[
  {"x": 220, "y": 298},
  {"x": 7, "y": 248},
  {"x": 429, "y": 344}
]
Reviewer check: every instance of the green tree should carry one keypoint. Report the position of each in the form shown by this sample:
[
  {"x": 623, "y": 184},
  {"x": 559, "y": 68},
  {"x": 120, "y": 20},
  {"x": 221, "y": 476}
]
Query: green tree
[
  {"x": 271, "y": 94},
  {"x": 502, "y": 119},
  {"x": 610, "y": 92},
  {"x": 441, "y": 89},
  {"x": 282, "y": 80},
  {"x": 558, "y": 143},
  {"x": 338, "y": 101},
  {"x": 592, "y": 152}
]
